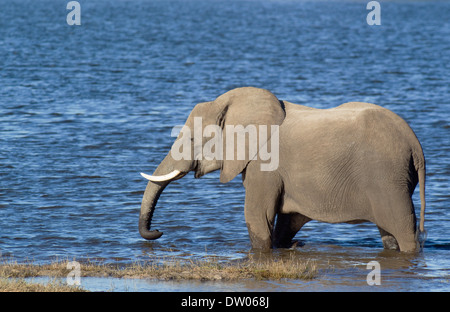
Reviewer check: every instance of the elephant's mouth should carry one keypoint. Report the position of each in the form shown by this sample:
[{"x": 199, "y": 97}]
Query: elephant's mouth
[
  {"x": 204, "y": 168},
  {"x": 197, "y": 170}
]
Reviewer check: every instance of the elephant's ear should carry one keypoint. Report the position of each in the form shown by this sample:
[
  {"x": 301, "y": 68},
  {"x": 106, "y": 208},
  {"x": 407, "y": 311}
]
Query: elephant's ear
[{"x": 244, "y": 111}]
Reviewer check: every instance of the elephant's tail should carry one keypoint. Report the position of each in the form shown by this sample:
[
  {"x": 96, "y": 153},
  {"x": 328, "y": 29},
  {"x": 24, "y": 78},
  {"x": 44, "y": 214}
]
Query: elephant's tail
[
  {"x": 421, "y": 174},
  {"x": 419, "y": 164}
]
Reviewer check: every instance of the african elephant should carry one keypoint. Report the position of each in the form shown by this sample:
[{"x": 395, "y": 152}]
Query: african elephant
[{"x": 357, "y": 162}]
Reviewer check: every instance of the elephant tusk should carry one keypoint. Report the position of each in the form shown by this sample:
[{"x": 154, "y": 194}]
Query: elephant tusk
[{"x": 166, "y": 177}]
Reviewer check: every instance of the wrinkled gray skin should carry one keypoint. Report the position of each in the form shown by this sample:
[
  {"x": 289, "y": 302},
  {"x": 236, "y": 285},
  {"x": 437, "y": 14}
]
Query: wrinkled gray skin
[{"x": 354, "y": 163}]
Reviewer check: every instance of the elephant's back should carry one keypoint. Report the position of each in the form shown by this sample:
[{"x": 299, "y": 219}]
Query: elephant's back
[
  {"x": 370, "y": 125},
  {"x": 373, "y": 116},
  {"x": 358, "y": 106}
]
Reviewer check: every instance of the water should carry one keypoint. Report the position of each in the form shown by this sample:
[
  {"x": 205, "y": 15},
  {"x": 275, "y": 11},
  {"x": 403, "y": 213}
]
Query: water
[{"x": 84, "y": 109}]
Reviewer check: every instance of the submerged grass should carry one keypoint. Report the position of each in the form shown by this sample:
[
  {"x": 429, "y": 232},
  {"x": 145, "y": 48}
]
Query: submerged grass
[
  {"x": 13, "y": 274},
  {"x": 22, "y": 285}
]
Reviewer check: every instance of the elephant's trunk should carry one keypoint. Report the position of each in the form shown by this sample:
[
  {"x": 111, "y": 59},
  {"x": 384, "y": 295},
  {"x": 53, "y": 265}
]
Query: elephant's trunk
[
  {"x": 163, "y": 175},
  {"x": 151, "y": 195}
]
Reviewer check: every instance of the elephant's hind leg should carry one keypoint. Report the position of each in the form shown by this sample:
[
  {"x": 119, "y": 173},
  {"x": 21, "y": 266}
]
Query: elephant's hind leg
[
  {"x": 396, "y": 219},
  {"x": 406, "y": 234}
]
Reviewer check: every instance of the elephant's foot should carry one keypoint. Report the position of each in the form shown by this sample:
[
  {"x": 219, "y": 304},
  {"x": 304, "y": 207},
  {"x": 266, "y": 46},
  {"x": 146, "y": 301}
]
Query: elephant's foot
[
  {"x": 404, "y": 244},
  {"x": 287, "y": 226},
  {"x": 389, "y": 242},
  {"x": 297, "y": 243},
  {"x": 288, "y": 245},
  {"x": 261, "y": 245},
  {"x": 259, "y": 242}
]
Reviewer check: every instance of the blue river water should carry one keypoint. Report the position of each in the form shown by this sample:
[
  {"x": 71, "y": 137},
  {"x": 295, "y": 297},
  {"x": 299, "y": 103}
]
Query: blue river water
[{"x": 84, "y": 109}]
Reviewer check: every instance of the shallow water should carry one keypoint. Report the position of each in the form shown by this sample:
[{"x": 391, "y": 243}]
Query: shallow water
[
  {"x": 339, "y": 269},
  {"x": 84, "y": 109}
]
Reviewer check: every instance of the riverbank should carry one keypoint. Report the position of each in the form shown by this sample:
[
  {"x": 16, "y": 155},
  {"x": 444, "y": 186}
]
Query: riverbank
[
  {"x": 17, "y": 276},
  {"x": 310, "y": 268}
]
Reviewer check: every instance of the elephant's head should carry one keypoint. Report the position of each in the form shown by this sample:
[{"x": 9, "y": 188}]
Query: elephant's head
[{"x": 206, "y": 143}]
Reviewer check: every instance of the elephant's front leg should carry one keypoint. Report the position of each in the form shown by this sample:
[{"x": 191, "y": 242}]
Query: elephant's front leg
[
  {"x": 287, "y": 226},
  {"x": 262, "y": 196}
]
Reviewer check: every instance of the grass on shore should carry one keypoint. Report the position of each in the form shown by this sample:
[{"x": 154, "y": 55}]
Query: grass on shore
[
  {"x": 22, "y": 285},
  {"x": 13, "y": 274}
]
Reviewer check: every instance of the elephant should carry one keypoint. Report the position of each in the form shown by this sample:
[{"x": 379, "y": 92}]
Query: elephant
[{"x": 357, "y": 162}]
